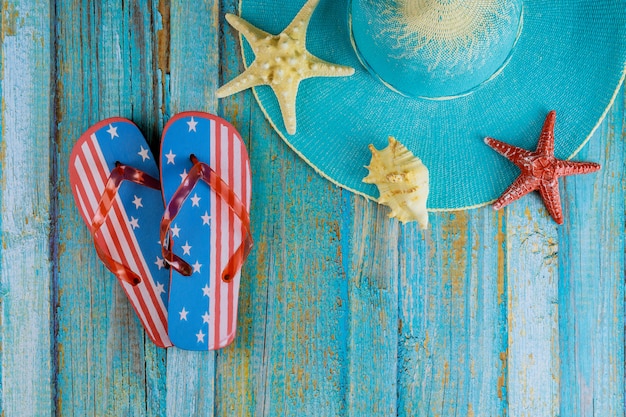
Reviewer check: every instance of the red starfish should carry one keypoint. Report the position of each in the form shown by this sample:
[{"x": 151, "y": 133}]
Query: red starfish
[{"x": 540, "y": 170}]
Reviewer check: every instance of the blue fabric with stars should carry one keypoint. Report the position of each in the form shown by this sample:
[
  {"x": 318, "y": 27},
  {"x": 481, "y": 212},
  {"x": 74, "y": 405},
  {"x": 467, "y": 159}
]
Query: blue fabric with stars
[
  {"x": 124, "y": 142},
  {"x": 189, "y": 309}
]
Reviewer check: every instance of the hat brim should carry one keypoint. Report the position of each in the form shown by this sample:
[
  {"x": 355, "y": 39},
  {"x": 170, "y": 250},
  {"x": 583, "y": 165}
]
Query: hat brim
[{"x": 569, "y": 57}]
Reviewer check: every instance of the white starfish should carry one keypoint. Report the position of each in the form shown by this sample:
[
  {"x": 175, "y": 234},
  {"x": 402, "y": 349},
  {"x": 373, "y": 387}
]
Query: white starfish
[{"x": 281, "y": 61}]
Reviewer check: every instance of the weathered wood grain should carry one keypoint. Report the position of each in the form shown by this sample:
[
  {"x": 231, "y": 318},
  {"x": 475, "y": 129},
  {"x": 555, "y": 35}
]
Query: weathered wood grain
[
  {"x": 293, "y": 302},
  {"x": 370, "y": 251},
  {"x": 299, "y": 341},
  {"x": 566, "y": 350},
  {"x": 533, "y": 312},
  {"x": 105, "y": 67},
  {"x": 453, "y": 311},
  {"x": 343, "y": 312},
  {"x": 591, "y": 278},
  {"x": 26, "y": 329},
  {"x": 242, "y": 368},
  {"x": 192, "y": 80},
  {"x": 305, "y": 324}
]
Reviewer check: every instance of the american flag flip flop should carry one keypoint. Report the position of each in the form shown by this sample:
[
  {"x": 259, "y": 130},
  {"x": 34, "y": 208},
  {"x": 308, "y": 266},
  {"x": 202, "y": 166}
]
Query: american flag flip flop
[
  {"x": 206, "y": 181},
  {"x": 113, "y": 176}
]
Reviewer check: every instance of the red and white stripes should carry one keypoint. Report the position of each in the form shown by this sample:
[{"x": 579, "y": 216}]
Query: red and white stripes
[
  {"x": 230, "y": 161},
  {"x": 88, "y": 179}
]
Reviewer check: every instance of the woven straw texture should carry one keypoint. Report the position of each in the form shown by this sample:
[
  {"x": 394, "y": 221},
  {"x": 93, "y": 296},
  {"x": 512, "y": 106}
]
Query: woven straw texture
[
  {"x": 569, "y": 57},
  {"x": 434, "y": 48}
]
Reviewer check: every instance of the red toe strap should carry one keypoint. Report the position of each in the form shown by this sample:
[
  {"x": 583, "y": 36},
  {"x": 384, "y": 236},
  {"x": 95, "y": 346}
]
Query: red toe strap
[
  {"x": 202, "y": 171},
  {"x": 119, "y": 174}
]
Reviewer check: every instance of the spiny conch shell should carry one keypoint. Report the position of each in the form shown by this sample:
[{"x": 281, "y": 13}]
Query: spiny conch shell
[{"x": 402, "y": 180}]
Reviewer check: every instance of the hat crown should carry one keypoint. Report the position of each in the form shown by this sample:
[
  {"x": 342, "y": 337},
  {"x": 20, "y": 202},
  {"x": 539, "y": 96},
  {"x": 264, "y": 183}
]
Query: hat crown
[{"x": 435, "y": 48}]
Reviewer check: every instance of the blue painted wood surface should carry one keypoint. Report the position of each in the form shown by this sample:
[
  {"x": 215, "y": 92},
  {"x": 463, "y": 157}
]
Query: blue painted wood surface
[{"x": 343, "y": 312}]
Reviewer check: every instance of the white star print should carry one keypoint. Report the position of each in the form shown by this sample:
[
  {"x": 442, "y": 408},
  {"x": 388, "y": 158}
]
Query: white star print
[
  {"x": 192, "y": 125},
  {"x": 113, "y": 132},
  {"x": 200, "y": 336},
  {"x": 175, "y": 231},
  {"x": 134, "y": 222},
  {"x": 196, "y": 267},
  {"x": 183, "y": 314},
  {"x": 143, "y": 153},
  {"x": 159, "y": 262},
  {"x": 186, "y": 249},
  {"x": 183, "y": 175},
  {"x": 206, "y": 218},
  {"x": 206, "y": 290},
  {"x": 159, "y": 289},
  {"x": 170, "y": 158},
  {"x": 195, "y": 200},
  {"x": 206, "y": 317},
  {"x": 137, "y": 202}
]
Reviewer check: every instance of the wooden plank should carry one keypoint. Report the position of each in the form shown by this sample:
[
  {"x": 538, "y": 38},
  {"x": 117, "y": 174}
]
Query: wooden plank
[
  {"x": 288, "y": 357},
  {"x": 533, "y": 311},
  {"x": 242, "y": 368},
  {"x": 370, "y": 251},
  {"x": 105, "y": 67},
  {"x": 453, "y": 343},
  {"x": 26, "y": 365},
  {"x": 591, "y": 291},
  {"x": 190, "y": 85},
  {"x": 292, "y": 331},
  {"x": 306, "y": 322},
  {"x": 333, "y": 293},
  {"x": 304, "y": 328}
]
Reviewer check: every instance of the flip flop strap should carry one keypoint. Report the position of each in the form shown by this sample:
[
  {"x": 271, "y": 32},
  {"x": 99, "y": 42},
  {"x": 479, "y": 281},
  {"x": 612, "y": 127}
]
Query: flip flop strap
[
  {"x": 119, "y": 174},
  {"x": 202, "y": 171}
]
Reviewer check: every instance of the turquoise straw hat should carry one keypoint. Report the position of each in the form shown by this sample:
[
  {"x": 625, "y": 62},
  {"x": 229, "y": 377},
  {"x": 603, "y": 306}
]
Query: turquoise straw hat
[{"x": 439, "y": 76}]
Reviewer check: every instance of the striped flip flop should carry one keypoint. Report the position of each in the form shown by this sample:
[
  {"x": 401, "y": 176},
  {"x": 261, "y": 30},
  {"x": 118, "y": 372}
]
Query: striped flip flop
[
  {"x": 113, "y": 177},
  {"x": 206, "y": 181}
]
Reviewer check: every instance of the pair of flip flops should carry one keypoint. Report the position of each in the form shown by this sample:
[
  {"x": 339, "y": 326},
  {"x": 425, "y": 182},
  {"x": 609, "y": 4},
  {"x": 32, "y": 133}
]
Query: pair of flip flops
[{"x": 176, "y": 238}]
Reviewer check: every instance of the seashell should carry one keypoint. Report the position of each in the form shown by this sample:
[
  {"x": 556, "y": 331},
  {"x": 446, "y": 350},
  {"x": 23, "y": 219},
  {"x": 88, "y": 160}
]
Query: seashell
[{"x": 402, "y": 180}]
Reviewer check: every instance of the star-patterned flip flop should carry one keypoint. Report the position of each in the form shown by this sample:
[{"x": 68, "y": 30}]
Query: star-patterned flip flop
[
  {"x": 113, "y": 176},
  {"x": 206, "y": 181}
]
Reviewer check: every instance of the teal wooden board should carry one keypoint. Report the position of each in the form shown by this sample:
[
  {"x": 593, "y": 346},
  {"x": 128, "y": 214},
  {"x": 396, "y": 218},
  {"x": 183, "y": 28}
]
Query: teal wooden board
[
  {"x": 533, "y": 311},
  {"x": 242, "y": 368},
  {"x": 26, "y": 319},
  {"x": 370, "y": 248},
  {"x": 191, "y": 375},
  {"x": 343, "y": 312},
  {"x": 591, "y": 278},
  {"x": 104, "y": 68},
  {"x": 453, "y": 341}
]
